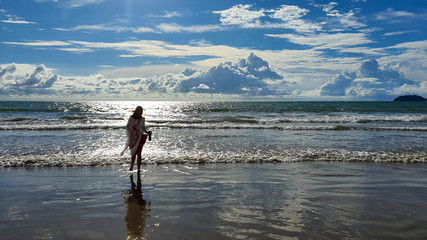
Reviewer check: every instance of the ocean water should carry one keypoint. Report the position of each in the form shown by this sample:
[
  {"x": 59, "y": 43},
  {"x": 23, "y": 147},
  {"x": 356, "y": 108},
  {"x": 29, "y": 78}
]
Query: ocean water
[{"x": 93, "y": 133}]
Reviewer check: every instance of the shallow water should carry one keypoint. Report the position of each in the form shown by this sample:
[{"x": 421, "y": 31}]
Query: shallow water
[
  {"x": 92, "y": 133},
  {"x": 301, "y": 200}
]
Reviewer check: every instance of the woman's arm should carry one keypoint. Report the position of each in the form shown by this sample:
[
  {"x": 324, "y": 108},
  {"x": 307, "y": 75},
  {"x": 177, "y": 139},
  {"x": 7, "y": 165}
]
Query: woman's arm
[
  {"x": 143, "y": 125},
  {"x": 128, "y": 124}
]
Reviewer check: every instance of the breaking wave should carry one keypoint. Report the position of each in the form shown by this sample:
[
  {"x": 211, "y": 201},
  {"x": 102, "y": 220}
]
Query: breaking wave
[{"x": 201, "y": 157}]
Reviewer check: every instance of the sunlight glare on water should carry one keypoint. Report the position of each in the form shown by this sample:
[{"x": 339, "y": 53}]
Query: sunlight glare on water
[{"x": 93, "y": 133}]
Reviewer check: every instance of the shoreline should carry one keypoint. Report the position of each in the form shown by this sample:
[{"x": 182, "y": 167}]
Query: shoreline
[
  {"x": 150, "y": 158},
  {"x": 301, "y": 200}
]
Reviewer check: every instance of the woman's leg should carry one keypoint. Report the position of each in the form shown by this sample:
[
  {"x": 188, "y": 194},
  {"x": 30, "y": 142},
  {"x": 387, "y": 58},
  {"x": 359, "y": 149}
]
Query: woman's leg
[
  {"x": 138, "y": 151},
  {"x": 139, "y": 162},
  {"x": 132, "y": 162}
]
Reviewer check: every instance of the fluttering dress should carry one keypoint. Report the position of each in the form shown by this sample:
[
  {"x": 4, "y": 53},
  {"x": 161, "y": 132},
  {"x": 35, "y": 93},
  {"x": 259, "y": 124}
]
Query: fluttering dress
[{"x": 135, "y": 129}]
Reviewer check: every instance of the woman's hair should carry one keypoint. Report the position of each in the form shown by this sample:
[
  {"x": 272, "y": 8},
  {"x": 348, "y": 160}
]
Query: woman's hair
[{"x": 137, "y": 114}]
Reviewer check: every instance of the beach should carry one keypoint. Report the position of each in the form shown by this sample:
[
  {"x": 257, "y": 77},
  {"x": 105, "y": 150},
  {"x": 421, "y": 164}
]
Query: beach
[
  {"x": 214, "y": 170},
  {"x": 300, "y": 200}
]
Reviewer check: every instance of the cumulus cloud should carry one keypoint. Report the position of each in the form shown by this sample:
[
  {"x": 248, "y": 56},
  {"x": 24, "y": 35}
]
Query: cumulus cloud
[
  {"x": 287, "y": 16},
  {"x": 9, "y": 69},
  {"x": 22, "y": 79},
  {"x": 289, "y": 12},
  {"x": 247, "y": 76},
  {"x": 240, "y": 15},
  {"x": 370, "y": 80},
  {"x": 291, "y": 17},
  {"x": 251, "y": 77}
]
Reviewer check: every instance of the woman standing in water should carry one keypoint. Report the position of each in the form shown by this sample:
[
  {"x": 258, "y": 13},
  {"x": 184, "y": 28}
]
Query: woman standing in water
[{"x": 135, "y": 129}]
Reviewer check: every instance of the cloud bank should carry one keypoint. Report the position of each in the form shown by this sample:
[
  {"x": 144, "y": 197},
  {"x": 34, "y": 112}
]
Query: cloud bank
[
  {"x": 17, "y": 80},
  {"x": 371, "y": 81},
  {"x": 251, "y": 78}
]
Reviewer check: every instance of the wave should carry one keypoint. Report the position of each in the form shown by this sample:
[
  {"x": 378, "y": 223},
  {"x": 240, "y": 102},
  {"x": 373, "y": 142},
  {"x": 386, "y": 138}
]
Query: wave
[
  {"x": 206, "y": 125},
  {"x": 73, "y": 118},
  {"x": 328, "y": 155},
  {"x": 60, "y": 127},
  {"x": 74, "y": 122},
  {"x": 41, "y": 110},
  {"x": 17, "y": 119}
]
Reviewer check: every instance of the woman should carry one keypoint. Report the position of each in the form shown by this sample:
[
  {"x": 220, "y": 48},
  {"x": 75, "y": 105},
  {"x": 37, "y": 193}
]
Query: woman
[{"x": 135, "y": 129}]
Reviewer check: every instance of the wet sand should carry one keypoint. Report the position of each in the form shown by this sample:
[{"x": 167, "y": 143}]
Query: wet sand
[{"x": 304, "y": 200}]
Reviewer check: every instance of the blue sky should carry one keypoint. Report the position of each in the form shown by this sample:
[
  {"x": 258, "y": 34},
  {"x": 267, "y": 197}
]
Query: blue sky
[{"x": 212, "y": 50}]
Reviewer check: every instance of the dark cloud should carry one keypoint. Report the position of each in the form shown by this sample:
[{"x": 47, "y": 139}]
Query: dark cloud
[{"x": 371, "y": 80}]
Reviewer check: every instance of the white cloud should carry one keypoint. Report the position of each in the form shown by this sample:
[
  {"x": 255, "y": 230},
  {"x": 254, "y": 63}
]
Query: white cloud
[
  {"x": 394, "y": 16},
  {"x": 7, "y": 69},
  {"x": 245, "y": 16},
  {"x": 76, "y": 50},
  {"x": 348, "y": 20},
  {"x": 408, "y": 57},
  {"x": 326, "y": 41},
  {"x": 410, "y": 89},
  {"x": 79, "y": 3},
  {"x": 17, "y": 21},
  {"x": 143, "y": 30},
  {"x": 202, "y": 86},
  {"x": 105, "y": 66},
  {"x": 166, "y": 14},
  {"x": 289, "y": 12},
  {"x": 372, "y": 81},
  {"x": 422, "y": 45},
  {"x": 287, "y": 17},
  {"x": 162, "y": 27},
  {"x": 340, "y": 21},
  {"x": 251, "y": 76},
  {"x": 291, "y": 17},
  {"x": 12, "y": 18},
  {"x": 18, "y": 79},
  {"x": 240, "y": 15},
  {"x": 164, "y": 49},
  {"x": 40, "y": 43},
  {"x": 247, "y": 76},
  {"x": 107, "y": 27},
  {"x": 145, "y": 71},
  {"x": 399, "y": 33},
  {"x": 173, "y": 27}
]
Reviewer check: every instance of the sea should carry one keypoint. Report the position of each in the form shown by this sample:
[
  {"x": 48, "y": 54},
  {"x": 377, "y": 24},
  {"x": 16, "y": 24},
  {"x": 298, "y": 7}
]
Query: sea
[{"x": 92, "y": 133}]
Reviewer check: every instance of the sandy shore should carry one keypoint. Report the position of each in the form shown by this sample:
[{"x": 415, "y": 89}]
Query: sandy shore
[{"x": 327, "y": 200}]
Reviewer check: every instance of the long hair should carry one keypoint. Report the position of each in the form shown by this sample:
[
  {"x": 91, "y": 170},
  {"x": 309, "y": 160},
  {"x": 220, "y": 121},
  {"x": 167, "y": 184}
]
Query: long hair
[{"x": 137, "y": 114}]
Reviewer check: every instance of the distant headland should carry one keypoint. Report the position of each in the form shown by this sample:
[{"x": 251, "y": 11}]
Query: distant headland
[{"x": 412, "y": 98}]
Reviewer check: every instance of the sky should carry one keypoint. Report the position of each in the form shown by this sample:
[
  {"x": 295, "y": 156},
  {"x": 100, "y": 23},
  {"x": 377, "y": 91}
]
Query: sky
[{"x": 212, "y": 49}]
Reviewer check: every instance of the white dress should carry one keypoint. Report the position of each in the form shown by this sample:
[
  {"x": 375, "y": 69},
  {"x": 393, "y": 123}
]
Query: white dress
[{"x": 135, "y": 128}]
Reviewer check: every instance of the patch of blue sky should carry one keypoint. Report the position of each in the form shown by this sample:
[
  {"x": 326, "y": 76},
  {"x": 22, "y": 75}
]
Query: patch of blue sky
[{"x": 79, "y": 38}]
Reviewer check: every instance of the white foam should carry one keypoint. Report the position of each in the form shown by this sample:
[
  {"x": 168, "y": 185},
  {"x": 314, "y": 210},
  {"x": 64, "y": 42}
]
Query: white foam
[{"x": 197, "y": 157}]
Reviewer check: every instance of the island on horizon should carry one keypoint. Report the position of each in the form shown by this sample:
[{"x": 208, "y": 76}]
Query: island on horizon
[{"x": 411, "y": 98}]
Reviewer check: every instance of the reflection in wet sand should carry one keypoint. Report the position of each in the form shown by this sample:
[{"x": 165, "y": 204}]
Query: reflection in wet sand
[{"x": 137, "y": 210}]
